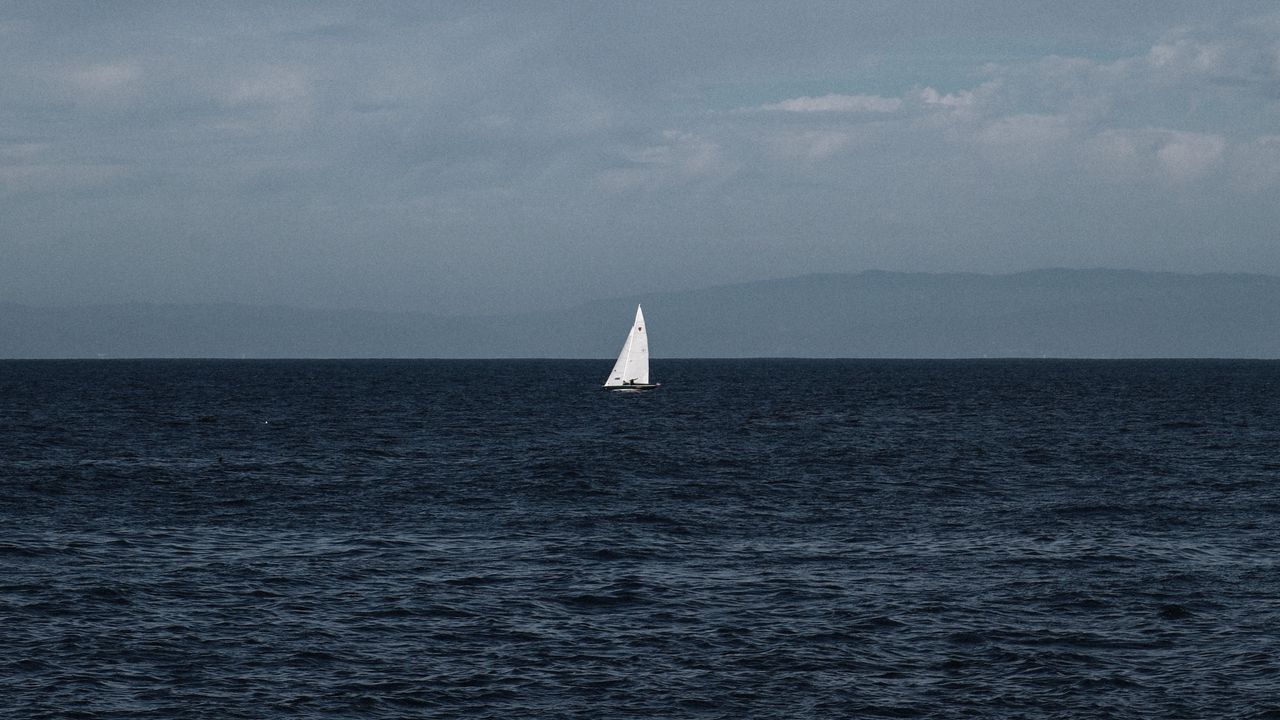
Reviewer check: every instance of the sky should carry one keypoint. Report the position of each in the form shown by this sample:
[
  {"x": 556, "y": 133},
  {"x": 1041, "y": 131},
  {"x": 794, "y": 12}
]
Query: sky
[{"x": 498, "y": 157}]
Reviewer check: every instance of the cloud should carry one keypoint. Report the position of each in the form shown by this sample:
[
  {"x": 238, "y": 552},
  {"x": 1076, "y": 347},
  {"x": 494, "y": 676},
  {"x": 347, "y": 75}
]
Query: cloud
[
  {"x": 956, "y": 101},
  {"x": 1025, "y": 138},
  {"x": 1153, "y": 155},
  {"x": 833, "y": 103},
  {"x": 946, "y": 109},
  {"x": 1187, "y": 55},
  {"x": 451, "y": 146},
  {"x": 1258, "y": 164},
  {"x": 1185, "y": 156},
  {"x": 811, "y": 145},
  {"x": 679, "y": 158}
]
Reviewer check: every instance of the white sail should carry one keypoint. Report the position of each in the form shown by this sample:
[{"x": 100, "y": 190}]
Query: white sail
[{"x": 632, "y": 367}]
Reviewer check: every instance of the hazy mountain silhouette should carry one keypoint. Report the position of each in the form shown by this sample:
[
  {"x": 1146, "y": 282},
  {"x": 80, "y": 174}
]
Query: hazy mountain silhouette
[{"x": 1054, "y": 313}]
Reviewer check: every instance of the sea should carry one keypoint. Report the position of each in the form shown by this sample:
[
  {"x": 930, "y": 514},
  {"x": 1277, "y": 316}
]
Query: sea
[{"x": 753, "y": 539}]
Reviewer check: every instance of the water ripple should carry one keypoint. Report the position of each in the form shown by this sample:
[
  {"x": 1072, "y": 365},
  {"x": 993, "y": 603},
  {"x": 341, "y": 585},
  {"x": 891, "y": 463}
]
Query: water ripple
[{"x": 851, "y": 539}]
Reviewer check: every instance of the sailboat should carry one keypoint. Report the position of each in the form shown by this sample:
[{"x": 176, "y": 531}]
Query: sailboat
[{"x": 631, "y": 372}]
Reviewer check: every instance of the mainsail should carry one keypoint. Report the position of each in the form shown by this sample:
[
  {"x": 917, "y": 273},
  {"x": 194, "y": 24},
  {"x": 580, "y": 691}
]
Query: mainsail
[{"x": 632, "y": 367}]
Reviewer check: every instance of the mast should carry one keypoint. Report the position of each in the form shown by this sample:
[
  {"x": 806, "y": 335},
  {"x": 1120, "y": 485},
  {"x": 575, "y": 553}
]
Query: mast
[{"x": 632, "y": 367}]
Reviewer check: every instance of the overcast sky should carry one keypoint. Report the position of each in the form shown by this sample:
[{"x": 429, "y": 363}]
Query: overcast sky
[{"x": 461, "y": 157}]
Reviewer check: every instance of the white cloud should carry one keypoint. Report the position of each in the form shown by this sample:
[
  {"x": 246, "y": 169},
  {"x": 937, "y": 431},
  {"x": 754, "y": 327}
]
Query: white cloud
[
  {"x": 681, "y": 158},
  {"x": 502, "y": 118},
  {"x": 1153, "y": 153},
  {"x": 1114, "y": 155},
  {"x": 1025, "y": 137},
  {"x": 810, "y": 145},
  {"x": 1186, "y": 156},
  {"x": 961, "y": 105},
  {"x": 833, "y": 103},
  {"x": 1258, "y": 163},
  {"x": 1186, "y": 53},
  {"x": 962, "y": 99}
]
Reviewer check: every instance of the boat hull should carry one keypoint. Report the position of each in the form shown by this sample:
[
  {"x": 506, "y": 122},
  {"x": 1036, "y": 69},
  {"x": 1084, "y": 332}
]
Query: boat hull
[{"x": 634, "y": 387}]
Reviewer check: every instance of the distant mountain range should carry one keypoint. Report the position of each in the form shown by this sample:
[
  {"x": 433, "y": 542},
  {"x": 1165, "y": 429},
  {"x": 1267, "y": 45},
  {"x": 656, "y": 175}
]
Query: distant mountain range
[{"x": 1041, "y": 313}]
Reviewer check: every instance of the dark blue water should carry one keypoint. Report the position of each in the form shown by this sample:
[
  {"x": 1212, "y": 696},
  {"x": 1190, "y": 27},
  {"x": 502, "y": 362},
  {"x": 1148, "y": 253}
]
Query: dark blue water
[{"x": 782, "y": 539}]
